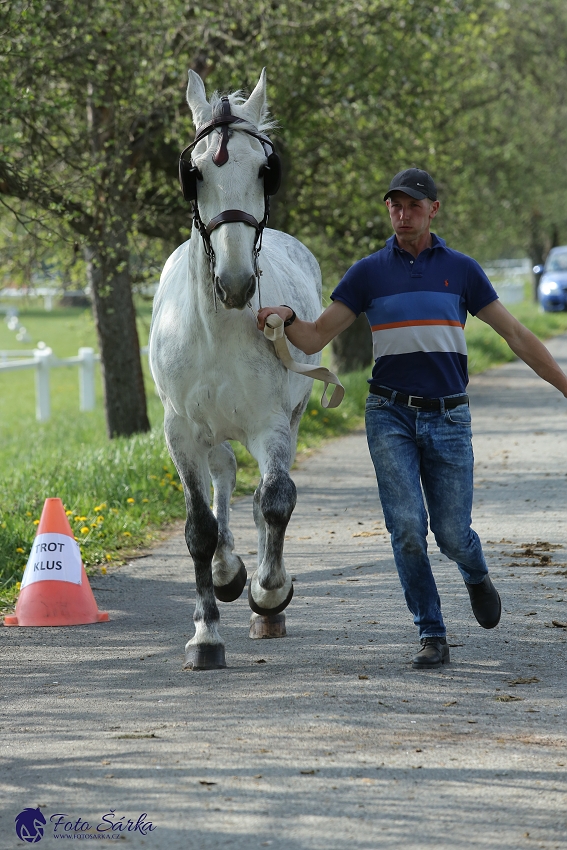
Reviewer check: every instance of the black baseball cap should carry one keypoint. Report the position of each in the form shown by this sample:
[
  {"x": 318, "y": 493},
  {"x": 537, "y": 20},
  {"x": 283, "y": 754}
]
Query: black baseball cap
[{"x": 414, "y": 182}]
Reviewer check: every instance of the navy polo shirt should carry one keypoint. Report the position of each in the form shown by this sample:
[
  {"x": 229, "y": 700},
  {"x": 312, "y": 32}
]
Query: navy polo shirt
[{"x": 417, "y": 308}]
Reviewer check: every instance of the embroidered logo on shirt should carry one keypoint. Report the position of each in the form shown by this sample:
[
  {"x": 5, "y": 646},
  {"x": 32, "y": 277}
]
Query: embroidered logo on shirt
[{"x": 446, "y": 283}]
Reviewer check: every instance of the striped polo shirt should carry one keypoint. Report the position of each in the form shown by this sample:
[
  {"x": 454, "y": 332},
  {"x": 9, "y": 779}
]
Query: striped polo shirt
[{"x": 417, "y": 309}]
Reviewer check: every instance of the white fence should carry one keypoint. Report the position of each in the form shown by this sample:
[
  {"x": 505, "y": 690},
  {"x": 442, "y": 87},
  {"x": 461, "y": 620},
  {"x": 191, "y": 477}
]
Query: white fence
[{"x": 43, "y": 360}]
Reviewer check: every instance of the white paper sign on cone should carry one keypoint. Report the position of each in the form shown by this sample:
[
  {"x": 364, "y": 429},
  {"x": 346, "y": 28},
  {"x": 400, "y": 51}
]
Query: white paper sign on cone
[{"x": 54, "y": 557}]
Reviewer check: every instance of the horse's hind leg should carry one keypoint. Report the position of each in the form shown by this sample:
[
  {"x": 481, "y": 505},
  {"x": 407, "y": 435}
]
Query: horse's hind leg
[
  {"x": 205, "y": 651},
  {"x": 229, "y": 572}
]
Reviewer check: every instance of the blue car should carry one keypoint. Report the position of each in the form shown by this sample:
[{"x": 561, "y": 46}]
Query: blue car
[{"x": 552, "y": 287}]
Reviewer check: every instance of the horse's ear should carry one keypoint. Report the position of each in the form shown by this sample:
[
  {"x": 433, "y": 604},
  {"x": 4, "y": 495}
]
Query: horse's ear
[
  {"x": 256, "y": 105},
  {"x": 197, "y": 100}
]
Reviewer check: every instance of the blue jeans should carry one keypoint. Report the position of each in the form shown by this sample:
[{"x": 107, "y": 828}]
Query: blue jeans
[{"x": 415, "y": 454}]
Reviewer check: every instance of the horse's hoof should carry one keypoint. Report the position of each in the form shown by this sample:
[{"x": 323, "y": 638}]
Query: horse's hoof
[
  {"x": 205, "y": 656},
  {"x": 267, "y": 612},
  {"x": 272, "y": 626},
  {"x": 231, "y": 591}
]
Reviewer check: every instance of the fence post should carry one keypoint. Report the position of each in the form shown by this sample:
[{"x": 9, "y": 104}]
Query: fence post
[
  {"x": 86, "y": 379},
  {"x": 42, "y": 400}
]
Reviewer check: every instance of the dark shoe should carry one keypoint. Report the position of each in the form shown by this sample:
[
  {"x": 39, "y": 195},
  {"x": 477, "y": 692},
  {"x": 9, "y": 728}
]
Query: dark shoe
[
  {"x": 433, "y": 653},
  {"x": 485, "y": 603}
]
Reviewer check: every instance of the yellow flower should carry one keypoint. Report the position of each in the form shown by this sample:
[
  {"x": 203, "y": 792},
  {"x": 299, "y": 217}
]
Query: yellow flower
[
  {"x": 103, "y": 570},
  {"x": 130, "y": 501},
  {"x": 68, "y": 513},
  {"x": 85, "y": 529},
  {"x": 127, "y": 534},
  {"x": 100, "y": 507},
  {"x": 19, "y": 549},
  {"x": 36, "y": 522},
  {"x": 145, "y": 500},
  {"x": 100, "y": 518},
  {"x": 94, "y": 524},
  {"x": 314, "y": 413},
  {"x": 28, "y": 513},
  {"x": 18, "y": 585},
  {"x": 166, "y": 468},
  {"x": 108, "y": 556}
]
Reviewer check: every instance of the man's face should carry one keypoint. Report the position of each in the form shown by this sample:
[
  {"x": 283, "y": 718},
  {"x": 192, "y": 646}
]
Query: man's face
[{"x": 410, "y": 218}]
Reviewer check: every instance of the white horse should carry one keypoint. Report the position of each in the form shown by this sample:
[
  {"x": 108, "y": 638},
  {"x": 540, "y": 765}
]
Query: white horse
[{"x": 218, "y": 377}]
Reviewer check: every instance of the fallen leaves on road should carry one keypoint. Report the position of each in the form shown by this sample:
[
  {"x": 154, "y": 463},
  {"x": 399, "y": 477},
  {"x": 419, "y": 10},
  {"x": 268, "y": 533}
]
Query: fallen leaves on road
[
  {"x": 522, "y": 681},
  {"x": 508, "y": 698}
]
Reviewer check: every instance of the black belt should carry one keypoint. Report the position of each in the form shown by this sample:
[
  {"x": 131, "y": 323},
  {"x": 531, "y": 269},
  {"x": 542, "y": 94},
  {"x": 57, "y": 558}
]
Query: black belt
[{"x": 421, "y": 403}]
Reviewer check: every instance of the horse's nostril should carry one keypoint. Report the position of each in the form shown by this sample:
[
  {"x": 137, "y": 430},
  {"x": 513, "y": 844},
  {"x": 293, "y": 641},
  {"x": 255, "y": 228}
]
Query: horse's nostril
[
  {"x": 251, "y": 288},
  {"x": 221, "y": 294}
]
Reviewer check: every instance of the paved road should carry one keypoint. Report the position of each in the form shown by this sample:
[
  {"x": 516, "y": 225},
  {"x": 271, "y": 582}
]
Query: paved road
[{"x": 326, "y": 739}]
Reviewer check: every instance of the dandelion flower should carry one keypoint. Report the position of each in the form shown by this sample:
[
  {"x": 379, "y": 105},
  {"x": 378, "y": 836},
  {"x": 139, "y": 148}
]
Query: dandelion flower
[
  {"x": 130, "y": 501},
  {"x": 20, "y": 550},
  {"x": 28, "y": 513},
  {"x": 36, "y": 522},
  {"x": 108, "y": 556},
  {"x": 145, "y": 500},
  {"x": 85, "y": 529},
  {"x": 68, "y": 513},
  {"x": 18, "y": 585},
  {"x": 127, "y": 534},
  {"x": 314, "y": 413},
  {"x": 103, "y": 570}
]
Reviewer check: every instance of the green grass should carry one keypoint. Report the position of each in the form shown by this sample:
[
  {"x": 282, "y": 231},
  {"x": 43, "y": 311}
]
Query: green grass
[{"x": 121, "y": 494}]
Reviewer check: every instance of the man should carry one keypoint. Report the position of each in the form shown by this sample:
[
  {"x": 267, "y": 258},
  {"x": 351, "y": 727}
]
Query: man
[{"x": 416, "y": 293}]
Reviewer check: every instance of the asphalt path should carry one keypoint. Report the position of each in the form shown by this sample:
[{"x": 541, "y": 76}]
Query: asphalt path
[{"x": 327, "y": 738}]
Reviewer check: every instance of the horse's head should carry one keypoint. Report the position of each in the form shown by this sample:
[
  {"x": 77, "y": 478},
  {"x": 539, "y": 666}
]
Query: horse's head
[{"x": 229, "y": 183}]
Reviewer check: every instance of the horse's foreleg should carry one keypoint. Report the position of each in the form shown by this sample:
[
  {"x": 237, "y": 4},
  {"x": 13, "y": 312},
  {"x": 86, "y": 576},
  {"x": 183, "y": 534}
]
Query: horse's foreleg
[
  {"x": 270, "y": 589},
  {"x": 229, "y": 572},
  {"x": 205, "y": 651}
]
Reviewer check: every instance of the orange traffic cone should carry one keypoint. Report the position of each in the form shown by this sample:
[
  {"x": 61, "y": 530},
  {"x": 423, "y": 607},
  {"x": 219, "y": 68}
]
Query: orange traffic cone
[{"x": 55, "y": 589}]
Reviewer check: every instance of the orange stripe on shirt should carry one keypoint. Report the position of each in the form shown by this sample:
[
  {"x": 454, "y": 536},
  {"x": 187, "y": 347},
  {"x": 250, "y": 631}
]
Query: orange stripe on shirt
[{"x": 416, "y": 323}]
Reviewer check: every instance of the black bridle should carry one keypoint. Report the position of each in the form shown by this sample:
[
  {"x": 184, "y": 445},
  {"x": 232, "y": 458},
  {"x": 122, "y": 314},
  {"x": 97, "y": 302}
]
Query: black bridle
[{"x": 189, "y": 174}]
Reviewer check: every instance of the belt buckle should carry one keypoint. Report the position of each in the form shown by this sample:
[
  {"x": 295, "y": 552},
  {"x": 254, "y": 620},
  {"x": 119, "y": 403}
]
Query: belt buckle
[{"x": 417, "y": 398}]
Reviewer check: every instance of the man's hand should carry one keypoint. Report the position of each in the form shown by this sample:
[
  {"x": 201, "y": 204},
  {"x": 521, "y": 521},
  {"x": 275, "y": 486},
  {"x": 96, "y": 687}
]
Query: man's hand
[
  {"x": 524, "y": 344},
  {"x": 311, "y": 337},
  {"x": 284, "y": 313}
]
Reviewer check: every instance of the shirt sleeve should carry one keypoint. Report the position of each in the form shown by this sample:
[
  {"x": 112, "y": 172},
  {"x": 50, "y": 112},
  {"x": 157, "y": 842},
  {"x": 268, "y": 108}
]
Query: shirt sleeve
[
  {"x": 353, "y": 290},
  {"x": 479, "y": 292}
]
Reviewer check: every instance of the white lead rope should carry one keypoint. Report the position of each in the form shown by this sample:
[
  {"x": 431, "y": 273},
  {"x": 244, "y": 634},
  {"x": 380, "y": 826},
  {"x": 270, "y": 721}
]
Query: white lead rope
[{"x": 274, "y": 331}]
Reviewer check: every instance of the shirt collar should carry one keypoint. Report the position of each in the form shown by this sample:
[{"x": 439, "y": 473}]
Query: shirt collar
[{"x": 436, "y": 242}]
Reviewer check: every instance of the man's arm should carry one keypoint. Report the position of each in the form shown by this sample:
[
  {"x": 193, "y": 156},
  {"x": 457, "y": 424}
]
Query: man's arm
[
  {"x": 525, "y": 344},
  {"x": 311, "y": 337}
]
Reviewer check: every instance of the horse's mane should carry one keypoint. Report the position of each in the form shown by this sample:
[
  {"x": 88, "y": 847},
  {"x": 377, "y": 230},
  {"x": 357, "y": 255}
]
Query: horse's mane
[{"x": 237, "y": 99}]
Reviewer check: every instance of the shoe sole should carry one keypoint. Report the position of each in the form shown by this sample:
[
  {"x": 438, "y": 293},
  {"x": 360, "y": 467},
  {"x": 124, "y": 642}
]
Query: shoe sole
[{"x": 429, "y": 666}]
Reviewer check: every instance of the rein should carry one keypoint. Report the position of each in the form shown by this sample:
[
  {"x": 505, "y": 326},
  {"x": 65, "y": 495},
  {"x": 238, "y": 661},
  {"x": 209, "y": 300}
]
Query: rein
[{"x": 220, "y": 157}]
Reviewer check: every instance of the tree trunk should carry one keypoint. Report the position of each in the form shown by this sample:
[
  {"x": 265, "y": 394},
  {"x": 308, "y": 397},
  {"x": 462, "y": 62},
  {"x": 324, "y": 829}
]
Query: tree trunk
[
  {"x": 352, "y": 349},
  {"x": 115, "y": 318}
]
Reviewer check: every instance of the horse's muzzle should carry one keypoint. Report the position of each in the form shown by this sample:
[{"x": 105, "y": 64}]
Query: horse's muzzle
[{"x": 233, "y": 295}]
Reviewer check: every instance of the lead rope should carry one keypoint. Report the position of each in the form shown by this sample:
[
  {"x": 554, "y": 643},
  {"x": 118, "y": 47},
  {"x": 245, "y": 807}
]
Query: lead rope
[{"x": 274, "y": 331}]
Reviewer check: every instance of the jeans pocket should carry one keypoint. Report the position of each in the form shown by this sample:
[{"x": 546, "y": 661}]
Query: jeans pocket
[
  {"x": 376, "y": 402},
  {"x": 460, "y": 415}
]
